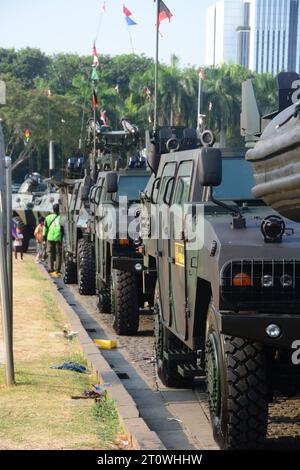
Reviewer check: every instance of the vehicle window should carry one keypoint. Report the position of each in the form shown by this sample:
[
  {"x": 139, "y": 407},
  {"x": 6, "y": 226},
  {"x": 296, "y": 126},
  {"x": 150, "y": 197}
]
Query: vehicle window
[
  {"x": 237, "y": 180},
  {"x": 168, "y": 172},
  {"x": 131, "y": 186},
  {"x": 183, "y": 183}
]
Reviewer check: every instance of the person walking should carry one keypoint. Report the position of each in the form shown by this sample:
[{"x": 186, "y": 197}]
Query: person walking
[
  {"x": 18, "y": 243},
  {"x": 52, "y": 234},
  {"x": 40, "y": 244}
]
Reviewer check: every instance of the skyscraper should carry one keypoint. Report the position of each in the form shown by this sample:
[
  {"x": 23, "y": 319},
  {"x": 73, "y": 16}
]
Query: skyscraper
[
  {"x": 275, "y": 35},
  {"x": 263, "y": 35},
  {"x": 222, "y": 20}
]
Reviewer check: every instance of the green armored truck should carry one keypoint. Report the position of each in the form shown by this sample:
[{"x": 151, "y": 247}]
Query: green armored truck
[
  {"x": 227, "y": 296},
  {"x": 114, "y": 202}
]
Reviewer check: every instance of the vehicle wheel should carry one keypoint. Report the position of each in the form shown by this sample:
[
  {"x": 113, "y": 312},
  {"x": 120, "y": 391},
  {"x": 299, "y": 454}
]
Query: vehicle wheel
[
  {"x": 104, "y": 299},
  {"x": 86, "y": 270},
  {"x": 69, "y": 269},
  {"x": 124, "y": 302},
  {"x": 237, "y": 389},
  {"x": 164, "y": 339}
]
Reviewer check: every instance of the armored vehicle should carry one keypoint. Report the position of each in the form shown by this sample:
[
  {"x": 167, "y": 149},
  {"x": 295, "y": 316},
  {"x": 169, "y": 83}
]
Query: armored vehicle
[
  {"x": 78, "y": 252},
  {"x": 34, "y": 198},
  {"x": 227, "y": 296},
  {"x": 276, "y": 157},
  {"x": 93, "y": 256},
  {"x": 114, "y": 207}
]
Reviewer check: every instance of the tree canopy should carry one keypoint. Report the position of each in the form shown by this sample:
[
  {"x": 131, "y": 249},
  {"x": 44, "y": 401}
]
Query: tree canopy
[{"x": 52, "y": 95}]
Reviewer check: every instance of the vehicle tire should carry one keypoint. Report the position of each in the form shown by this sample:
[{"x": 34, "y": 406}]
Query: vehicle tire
[
  {"x": 104, "y": 305},
  {"x": 165, "y": 339},
  {"x": 86, "y": 269},
  {"x": 124, "y": 302},
  {"x": 69, "y": 269},
  {"x": 237, "y": 389}
]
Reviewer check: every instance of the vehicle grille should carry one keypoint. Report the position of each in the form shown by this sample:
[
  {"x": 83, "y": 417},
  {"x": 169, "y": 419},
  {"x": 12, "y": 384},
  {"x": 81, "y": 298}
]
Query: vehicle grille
[{"x": 281, "y": 278}]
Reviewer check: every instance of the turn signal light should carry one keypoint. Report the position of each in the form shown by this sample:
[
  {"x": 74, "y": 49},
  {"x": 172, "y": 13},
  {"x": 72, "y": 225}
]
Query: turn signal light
[
  {"x": 242, "y": 280},
  {"x": 123, "y": 241}
]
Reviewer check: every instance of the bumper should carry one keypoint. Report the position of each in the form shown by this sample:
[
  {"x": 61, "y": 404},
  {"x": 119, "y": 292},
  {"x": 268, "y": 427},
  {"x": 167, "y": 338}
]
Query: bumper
[
  {"x": 128, "y": 264},
  {"x": 253, "y": 326}
]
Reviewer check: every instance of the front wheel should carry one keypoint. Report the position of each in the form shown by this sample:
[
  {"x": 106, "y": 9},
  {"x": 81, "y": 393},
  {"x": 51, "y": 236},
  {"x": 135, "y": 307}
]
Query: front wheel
[
  {"x": 69, "y": 269},
  {"x": 104, "y": 299},
  {"x": 237, "y": 389},
  {"x": 124, "y": 302},
  {"x": 86, "y": 270}
]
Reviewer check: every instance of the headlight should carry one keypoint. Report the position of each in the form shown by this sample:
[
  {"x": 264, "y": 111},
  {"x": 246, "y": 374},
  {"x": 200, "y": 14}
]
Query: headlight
[
  {"x": 138, "y": 267},
  {"x": 267, "y": 281},
  {"x": 286, "y": 280}
]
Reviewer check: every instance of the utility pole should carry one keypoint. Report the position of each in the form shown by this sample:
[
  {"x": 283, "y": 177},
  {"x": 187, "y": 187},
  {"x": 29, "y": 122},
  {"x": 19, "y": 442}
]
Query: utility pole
[{"x": 5, "y": 260}]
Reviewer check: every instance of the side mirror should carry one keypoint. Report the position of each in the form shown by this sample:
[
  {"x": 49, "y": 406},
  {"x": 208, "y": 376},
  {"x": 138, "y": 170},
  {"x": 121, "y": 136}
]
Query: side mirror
[
  {"x": 152, "y": 157},
  {"x": 210, "y": 167},
  {"x": 111, "y": 181}
]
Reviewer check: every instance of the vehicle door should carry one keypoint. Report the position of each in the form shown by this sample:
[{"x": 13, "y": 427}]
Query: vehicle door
[
  {"x": 163, "y": 242},
  {"x": 72, "y": 218},
  {"x": 97, "y": 211},
  {"x": 177, "y": 253}
]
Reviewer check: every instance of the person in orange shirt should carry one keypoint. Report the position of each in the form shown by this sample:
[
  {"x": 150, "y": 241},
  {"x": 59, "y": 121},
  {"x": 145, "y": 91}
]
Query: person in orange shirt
[{"x": 40, "y": 246}]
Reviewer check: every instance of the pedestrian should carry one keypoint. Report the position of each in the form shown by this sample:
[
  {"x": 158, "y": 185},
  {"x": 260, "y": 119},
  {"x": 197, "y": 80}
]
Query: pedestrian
[
  {"x": 18, "y": 243},
  {"x": 40, "y": 244},
  {"x": 52, "y": 234}
]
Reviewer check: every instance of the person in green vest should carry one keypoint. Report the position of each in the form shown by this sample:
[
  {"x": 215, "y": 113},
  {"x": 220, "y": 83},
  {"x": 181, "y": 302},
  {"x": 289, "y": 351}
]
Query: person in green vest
[{"x": 52, "y": 234}]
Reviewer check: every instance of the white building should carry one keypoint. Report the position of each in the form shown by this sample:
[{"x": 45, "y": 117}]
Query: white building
[
  {"x": 222, "y": 20},
  {"x": 263, "y": 35}
]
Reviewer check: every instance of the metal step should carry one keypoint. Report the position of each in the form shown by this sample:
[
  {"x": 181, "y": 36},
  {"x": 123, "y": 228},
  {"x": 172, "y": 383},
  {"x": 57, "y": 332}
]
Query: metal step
[
  {"x": 180, "y": 356},
  {"x": 190, "y": 370}
]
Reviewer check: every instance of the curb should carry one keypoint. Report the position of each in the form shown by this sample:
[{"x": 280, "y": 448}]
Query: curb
[{"x": 141, "y": 437}]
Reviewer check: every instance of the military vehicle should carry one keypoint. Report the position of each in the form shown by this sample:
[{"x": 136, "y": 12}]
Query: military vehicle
[
  {"x": 118, "y": 263},
  {"x": 34, "y": 198},
  {"x": 91, "y": 257},
  {"x": 276, "y": 158},
  {"x": 227, "y": 307},
  {"x": 121, "y": 172},
  {"x": 78, "y": 252}
]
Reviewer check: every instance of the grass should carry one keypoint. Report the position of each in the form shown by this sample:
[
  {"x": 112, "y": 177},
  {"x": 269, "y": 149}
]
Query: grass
[{"x": 39, "y": 413}]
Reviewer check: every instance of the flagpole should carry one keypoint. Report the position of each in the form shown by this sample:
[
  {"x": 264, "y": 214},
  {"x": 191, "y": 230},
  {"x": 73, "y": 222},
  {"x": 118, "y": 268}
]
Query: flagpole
[
  {"x": 199, "y": 102},
  {"x": 130, "y": 37},
  {"x": 156, "y": 68},
  {"x": 94, "y": 159}
]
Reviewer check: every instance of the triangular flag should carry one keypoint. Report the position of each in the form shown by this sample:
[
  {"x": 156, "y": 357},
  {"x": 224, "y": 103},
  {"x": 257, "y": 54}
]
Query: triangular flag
[
  {"x": 164, "y": 13},
  {"x": 95, "y": 75},
  {"x": 95, "y": 100},
  {"x": 129, "y": 21},
  {"x": 126, "y": 11},
  {"x": 95, "y": 56},
  {"x": 103, "y": 118}
]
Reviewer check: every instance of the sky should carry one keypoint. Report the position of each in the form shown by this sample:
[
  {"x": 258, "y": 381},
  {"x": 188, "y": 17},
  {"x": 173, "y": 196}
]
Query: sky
[{"x": 71, "y": 26}]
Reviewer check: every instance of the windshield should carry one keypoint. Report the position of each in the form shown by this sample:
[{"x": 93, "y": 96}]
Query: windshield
[
  {"x": 237, "y": 181},
  {"x": 131, "y": 186}
]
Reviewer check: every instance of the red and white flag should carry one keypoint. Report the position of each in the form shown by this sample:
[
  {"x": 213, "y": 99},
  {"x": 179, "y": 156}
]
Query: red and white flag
[
  {"x": 201, "y": 74},
  {"x": 95, "y": 57},
  {"x": 103, "y": 8},
  {"x": 103, "y": 118}
]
